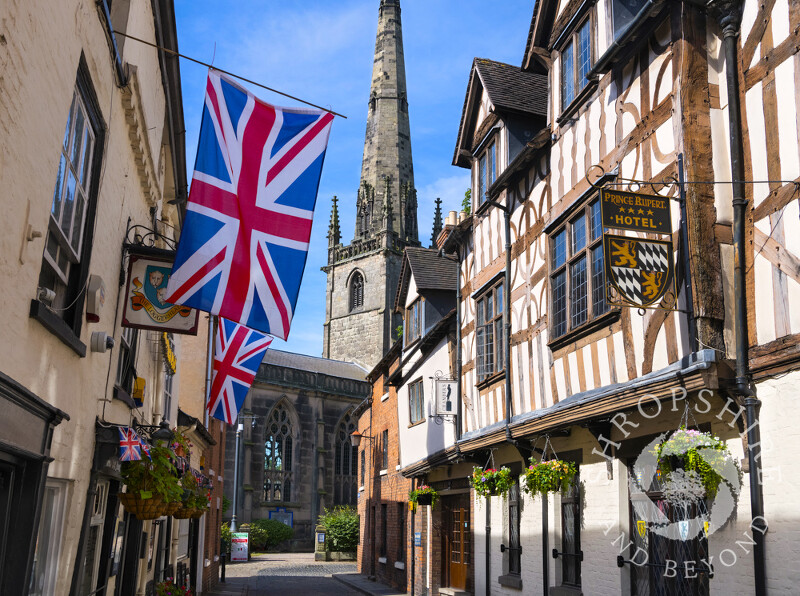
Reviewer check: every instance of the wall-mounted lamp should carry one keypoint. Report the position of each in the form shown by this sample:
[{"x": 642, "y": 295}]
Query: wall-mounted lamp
[
  {"x": 355, "y": 438},
  {"x": 161, "y": 432}
]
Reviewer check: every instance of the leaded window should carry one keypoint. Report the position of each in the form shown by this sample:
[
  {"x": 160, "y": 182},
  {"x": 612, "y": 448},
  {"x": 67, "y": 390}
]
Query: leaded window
[
  {"x": 384, "y": 447},
  {"x": 576, "y": 61},
  {"x": 571, "y": 534},
  {"x": 345, "y": 463},
  {"x": 487, "y": 172},
  {"x": 356, "y": 291},
  {"x": 514, "y": 545},
  {"x": 577, "y": 289},
  {"x": 414, "y": 321},
  {"x": 278, "y": 453},
  {"x": 489, "y": 332},
  {"x": 623, "y": 12}
]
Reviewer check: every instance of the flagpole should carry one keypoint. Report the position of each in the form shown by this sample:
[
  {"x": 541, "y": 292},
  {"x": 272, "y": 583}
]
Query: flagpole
[{"x": 227, "y": 72}]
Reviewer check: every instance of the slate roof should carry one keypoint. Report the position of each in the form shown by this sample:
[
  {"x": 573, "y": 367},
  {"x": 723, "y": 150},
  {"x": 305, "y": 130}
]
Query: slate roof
[
  {"x": 326, "y": 366},
  {"x": 430, "y": 271},
  {"x": 511, "y": 88}
]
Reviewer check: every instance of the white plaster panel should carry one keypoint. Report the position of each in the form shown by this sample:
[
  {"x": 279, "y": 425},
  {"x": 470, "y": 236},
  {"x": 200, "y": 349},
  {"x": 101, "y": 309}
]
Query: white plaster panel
[
  {"x": 602, "y": 361},
  {"x": 787, "y": 113},
  {"x": 558, "y": 366},
  {"x": 765, "y": 322},
  {"x": 619, "y": 357},
  {"x": 758, "y": 142},
  {"x": 660, "y": 359},
  {"x": 720, "y": 156},
  {"x": 780, "y": 22},
  {"x": 572, "y": 361}
]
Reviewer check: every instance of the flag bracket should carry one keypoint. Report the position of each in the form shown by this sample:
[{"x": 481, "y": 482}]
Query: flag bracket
[{"x": 159, "y": 432}]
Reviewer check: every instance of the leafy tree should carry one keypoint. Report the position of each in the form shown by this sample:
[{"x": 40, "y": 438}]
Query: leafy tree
[
  {"x": 466, "y": 204},
  {"x": 266, "y": 534},
  {"x": 342, "y": 526}
]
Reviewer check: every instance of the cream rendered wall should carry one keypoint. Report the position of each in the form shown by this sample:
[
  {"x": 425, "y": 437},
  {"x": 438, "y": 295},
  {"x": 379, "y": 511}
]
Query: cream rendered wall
[{"x": 42, "y": 48}]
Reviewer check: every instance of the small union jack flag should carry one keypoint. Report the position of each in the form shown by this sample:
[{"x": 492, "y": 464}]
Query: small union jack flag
[
  {"x": 145, "y": 448},
  {"x": 130, "y": 445},
  {"x": 237, "y": 355},
  {"x": 245, "y": 238}
]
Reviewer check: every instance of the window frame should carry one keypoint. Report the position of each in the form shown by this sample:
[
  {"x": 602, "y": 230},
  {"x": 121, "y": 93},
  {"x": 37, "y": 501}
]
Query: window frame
[
  {"x": 356, "y": 300},
  {"x": 126, "y": 364},
  {"x": 416, "y": 390},
  {"x": 285, "y": 473},
  {"x": 617, "y": 32},
  {"x": 414, "y": 324},
  {"x": 572, "y": 256},
  {"x": 486, "y": 172},
  {"x": 64, "y": 317},
  {"x": 495, "y": 293},
  {"x": 384, "y": 447},
  {"x": 571, "y": 41}
]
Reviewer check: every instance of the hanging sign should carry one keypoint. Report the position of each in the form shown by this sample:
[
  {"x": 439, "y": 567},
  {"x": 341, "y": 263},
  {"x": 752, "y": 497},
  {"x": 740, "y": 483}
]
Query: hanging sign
[
  {"x": 239, "y": 546},
  {"x": 445, "y": 397},
  {"x": 635, "y": 211},
  {"x": 145, "y": 304},
  {"x": 640, "y": 270}
]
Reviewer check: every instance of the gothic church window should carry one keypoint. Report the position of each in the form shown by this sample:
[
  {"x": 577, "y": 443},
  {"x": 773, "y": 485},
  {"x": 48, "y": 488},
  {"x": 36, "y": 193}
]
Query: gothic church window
[
  {"x": 356, "y": 291},
  {"x": 345, "y": 463},
  {"x": 278, "y": 452}
]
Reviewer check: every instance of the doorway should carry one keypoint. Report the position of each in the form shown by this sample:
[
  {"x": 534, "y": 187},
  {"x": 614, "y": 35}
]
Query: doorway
[{"x": 458, "y": 541}]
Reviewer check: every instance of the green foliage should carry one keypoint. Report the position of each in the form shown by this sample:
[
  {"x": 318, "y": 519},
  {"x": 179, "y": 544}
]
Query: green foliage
[
  {"x": 266, "y": 534},
  {"x": 226, "y": 504},
  {"x": 398, "y": 331},
  {"x": 698, "y": 452},
  {"x": 156, "y": 475},
  {"x": 491, "y": 482},
  {"x": 548, "y": 476},
  {"x": 466, "y": 204},
  {"x": 342, "y": 527},
  {"x": 225, "y": 534},
  {"x": 413, "y": 496}
]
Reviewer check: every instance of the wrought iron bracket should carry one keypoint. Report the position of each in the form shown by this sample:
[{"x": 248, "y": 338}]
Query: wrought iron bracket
[{"x": 557, "y": 554}]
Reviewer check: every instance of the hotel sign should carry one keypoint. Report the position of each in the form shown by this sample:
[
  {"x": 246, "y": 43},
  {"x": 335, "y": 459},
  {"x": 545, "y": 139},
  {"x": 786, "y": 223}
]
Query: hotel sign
[{"x": 635, "y": 211}]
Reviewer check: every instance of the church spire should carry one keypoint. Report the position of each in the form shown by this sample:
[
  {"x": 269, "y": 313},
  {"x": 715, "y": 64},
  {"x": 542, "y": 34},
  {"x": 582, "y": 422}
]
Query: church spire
[{"x": 387, "y": 143}]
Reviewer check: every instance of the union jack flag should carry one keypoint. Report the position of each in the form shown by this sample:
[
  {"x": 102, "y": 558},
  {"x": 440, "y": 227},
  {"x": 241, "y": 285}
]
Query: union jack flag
[
  {"x": 145, "y": 448},
  {"x": 245, "y": 239},
  {"x": 238, "y": 353},
  {"x": 129, "y": 444}
]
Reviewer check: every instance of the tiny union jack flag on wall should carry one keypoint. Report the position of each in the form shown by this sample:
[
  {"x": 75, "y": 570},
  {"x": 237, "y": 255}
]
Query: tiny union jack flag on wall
[
  {"x": 237, "y": 355},
  {"x": 129, "y": 445},
  {"x": 245, "y": 238}
]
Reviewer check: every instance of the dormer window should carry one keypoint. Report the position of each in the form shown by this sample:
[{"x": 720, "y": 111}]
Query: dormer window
[
  {"x": 414, "y": 321},
  {"x": 576, "y": 61},
  {"x": 487, "y": 172}
]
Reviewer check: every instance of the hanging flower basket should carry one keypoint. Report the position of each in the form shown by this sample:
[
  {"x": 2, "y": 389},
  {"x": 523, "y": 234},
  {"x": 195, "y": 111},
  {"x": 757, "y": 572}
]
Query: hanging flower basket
[
  {"x": 151, "y": 506},
  {"x": 491, "y": 482},
  {"x": 549, "y": 476},
  {"x": 198, "y": 512},
  {"x": 183, "y": 513},
  {"x": 423, "y": 495},
  {"x": 693, "y": 464}
]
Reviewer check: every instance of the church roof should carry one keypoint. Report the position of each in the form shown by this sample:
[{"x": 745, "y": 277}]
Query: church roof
[{"x": 326, "y": 366}]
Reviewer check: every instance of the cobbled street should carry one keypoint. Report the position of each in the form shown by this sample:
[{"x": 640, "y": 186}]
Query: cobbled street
[{"x": 295, "y": 574}]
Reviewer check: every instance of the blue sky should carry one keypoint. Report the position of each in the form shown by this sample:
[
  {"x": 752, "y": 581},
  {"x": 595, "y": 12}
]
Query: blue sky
[{"x": 322, "y": 51}]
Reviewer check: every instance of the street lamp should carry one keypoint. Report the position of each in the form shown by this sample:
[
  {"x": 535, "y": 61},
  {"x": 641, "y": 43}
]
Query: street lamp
[{"x": 355, "y": 438}]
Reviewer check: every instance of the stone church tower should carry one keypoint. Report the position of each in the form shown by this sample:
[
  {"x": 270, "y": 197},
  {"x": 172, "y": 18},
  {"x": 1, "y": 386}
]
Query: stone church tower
[{"x": 363, "y": 275}]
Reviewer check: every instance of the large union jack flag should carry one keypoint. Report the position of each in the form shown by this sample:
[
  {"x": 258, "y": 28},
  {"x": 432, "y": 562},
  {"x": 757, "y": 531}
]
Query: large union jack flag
[
  {"x": 245, "y": 237},
  {"x": 237, "y": 356}
]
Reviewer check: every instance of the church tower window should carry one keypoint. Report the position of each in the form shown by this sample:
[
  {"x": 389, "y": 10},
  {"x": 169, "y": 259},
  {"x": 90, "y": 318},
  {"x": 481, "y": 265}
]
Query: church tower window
[{"x": 356, "y": 291}]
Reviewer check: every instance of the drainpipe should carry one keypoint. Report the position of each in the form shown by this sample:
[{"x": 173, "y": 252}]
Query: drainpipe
[
  {"x": 730, "y": 20},
  {"x": 488, "y": 580},
  {"x": 458, "y": 347},
  {"x": 507, "y": 312}
]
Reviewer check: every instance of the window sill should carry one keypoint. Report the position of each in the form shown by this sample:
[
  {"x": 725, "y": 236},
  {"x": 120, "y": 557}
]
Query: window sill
[
  {"x": 124, "y": 397},
  {"x": 385, "y": 396},
  {"x": 491, "y": 379},
  {"x": 382, "y": 560},
  {"x": 361, "y": 489},
  {"x": 565, "y": 591},
  {"x": 383, "y": 472},
  {"x": 399, "y": 565},
  {"x": 417, "y": 423},
  {"x": 604, "y": 320},
  {"x": 580, "y": 99},
  {"x": 510, "y": 581},
  {"x": 58, "y": 327}
]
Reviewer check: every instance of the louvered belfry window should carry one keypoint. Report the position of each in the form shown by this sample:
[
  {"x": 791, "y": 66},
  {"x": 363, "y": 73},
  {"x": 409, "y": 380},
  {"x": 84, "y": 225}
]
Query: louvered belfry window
[{"x": 356, "y": 291}]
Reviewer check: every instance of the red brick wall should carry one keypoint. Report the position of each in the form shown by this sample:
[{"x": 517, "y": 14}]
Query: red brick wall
[
  {"x": 214, "y": 460},
  {"x": 390, "y": 489}
]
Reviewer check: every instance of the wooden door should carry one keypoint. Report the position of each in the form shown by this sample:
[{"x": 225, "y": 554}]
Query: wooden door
[{"x": 459, "y": 545}]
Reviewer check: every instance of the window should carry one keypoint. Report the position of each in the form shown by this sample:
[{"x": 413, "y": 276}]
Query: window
[
  {"x": 623, "y": 12},
  {"x": 48, "y": 541},
  {"x": 571, "y": 534},
  {"x": 168, "y": 383},
  {"x": 384, "y": 446},
  {"x": 414, "y": 321},
  {"x": 577, "y": 287},
  {"x": 278, "y": 455},
  {"x": 90, "y": 575},
  {"x": 576, "y": 61},
  {"x": 356, "y": 291},
  {"x": 489, "y": 332},
  {"x": 487, "y": 172},
  {"x": 514, "y": 548},
  {"x": 344, "y": 465},
  {"x": 66, "y": 253},
  {"x": 363, "y": 465},
  {"x": 126, "y": 362},
  {"x": 384, "y": 529},
  {"x": 416, "y": 402}
]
